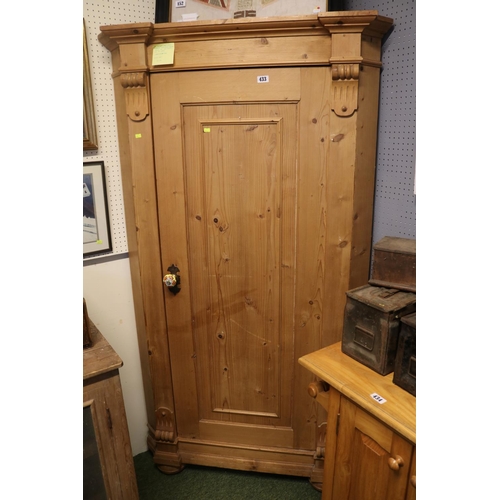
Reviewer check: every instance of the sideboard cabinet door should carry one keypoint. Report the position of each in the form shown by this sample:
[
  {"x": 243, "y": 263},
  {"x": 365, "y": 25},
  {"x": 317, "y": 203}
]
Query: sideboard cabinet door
[{"x": 372, "y": 461}]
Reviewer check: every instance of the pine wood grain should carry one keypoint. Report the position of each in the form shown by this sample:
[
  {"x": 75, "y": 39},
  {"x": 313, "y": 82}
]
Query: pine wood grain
[{"x": 101, "y": 357}]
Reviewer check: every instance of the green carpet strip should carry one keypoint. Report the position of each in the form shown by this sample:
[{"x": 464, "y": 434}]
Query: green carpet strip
[{"x": 211, "y": 483}]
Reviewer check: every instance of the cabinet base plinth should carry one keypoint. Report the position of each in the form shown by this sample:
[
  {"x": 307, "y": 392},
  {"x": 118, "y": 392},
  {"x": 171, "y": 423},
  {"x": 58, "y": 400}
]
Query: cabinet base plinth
[
  {"x": 170, "y": 469},
  {"x": 316, "y": 486}
]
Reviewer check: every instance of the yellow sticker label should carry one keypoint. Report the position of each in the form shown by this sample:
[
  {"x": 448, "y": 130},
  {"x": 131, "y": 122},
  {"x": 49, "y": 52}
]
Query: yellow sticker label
[
  {"x": 163, "y": 53},
  {"x": 138, "y": 136},
  {"x": 206, "y": 129},
  {"x": 99, "y": 242}
]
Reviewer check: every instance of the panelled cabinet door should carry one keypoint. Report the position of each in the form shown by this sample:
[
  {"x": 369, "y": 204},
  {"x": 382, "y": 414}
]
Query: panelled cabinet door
[
  {"x": 372, "y": 462},
  {"x": 233, "y": 219}
]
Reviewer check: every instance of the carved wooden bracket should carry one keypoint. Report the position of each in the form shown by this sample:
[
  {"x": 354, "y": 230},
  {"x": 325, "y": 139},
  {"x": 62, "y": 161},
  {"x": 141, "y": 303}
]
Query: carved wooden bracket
[
  {"x": 345, "y": 78},
  {"x": 164, "y": 425},
  {"x": 320, "y": 441},
  {"x": 136, "y": 95}
]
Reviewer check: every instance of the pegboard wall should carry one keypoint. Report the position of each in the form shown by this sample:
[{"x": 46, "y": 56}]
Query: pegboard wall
[
  {"x": 395, "y": 198},
  {"x": 97, "y": 13}
]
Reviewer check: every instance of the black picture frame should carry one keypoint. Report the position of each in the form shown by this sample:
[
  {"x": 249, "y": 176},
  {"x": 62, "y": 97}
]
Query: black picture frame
[
  {"x": 162, "y": 11},
  {"x": 335, "y": 5},
  {"x": 96, "y": 227},
  {"x": 89, "y": 118}
]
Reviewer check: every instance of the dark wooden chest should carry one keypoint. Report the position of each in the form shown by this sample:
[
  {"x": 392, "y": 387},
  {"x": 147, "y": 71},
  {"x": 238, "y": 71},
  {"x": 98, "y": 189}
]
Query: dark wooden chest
[
  {"x": 394, "y": 264},
  {"x": 371, "y": 325},
  {"x": 405, "y": 367}
]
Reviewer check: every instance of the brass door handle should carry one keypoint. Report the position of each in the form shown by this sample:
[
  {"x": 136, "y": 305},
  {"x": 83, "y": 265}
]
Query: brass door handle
[{"x": 172, "y": 280}]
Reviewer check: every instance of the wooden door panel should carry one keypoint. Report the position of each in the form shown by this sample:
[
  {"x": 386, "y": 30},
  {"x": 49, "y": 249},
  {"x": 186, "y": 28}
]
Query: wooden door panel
[
  {"x": 364, "y": 448},
  {"x": 230, "y": 172},
  {"x": 246, "y": 434},
  {"x": 234, "y": 86},
  {"x": 374, "y": 459},
  {"x": 234, "y": 170},
  {"x": 243, "y": 255}
]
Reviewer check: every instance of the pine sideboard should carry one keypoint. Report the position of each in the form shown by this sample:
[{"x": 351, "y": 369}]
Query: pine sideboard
[
  {"x": 247, "y": 149},
  {"x": 370, "y": 449}
]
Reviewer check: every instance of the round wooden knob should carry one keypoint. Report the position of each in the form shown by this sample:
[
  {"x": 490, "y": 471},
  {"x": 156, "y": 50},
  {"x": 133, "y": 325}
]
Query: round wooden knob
[
  {"x": 396, "y": 462},
  {"x": 314, "y": 388},
  {"x": 413, "y": 481}
]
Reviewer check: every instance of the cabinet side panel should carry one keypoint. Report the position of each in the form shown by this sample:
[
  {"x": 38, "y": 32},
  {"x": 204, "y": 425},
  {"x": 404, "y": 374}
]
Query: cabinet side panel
[
  {"x": 130, "y": 216},
  {"x": 139, "y": 186},
  {"x": 342, "y": 138},
  {"x": 312, "y": 193},
  {"x": 364, "y": 175},
  {"x": 110, "y": 422},
  {"x": 173, "y": 241}
]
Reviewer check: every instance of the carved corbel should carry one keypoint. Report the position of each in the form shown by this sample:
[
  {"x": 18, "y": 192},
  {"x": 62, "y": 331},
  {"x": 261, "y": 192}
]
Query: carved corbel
[
  {"x": 320, "y": 442},
  {"x": 164, "y": 425},
  {"x": 136, "y": 95},
  {"x": 345, "y": 79}
]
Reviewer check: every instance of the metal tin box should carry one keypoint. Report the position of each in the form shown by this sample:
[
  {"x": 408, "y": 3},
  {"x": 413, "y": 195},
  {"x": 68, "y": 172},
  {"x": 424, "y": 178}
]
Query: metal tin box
[
  {"x": 405, "y": 367},
  {"x": 371, "y": 325},
  {"x": 394, "y": 264}
]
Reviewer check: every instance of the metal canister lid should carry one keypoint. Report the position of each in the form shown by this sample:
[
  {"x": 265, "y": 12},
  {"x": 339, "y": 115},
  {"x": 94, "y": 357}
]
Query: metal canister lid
[
  {"x": 410, "y": 320},
  {"x": 396, "y": 245},
  {"x": 381, "y": 298}
]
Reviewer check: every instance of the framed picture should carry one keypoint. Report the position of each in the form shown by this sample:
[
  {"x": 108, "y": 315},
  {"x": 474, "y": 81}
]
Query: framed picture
[
  {"x": 197, "y": 10},
  {"x": 96, "y": 231},
  {"x": 245, "y": 8},
  {"x": 162, "y": 11},
  {"x": 89, "y": 125}
]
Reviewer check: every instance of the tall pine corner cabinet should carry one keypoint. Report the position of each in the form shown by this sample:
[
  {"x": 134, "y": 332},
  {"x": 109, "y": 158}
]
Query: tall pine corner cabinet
[{"x": 248, "y": 166}]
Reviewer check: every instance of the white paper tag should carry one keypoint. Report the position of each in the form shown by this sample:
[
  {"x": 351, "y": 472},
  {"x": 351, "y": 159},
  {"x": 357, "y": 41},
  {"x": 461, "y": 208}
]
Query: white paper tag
[
  {"x": 190, "y": 17},
  {"x": 263, "y": 79},
  {"x": 378, "y": 399}
]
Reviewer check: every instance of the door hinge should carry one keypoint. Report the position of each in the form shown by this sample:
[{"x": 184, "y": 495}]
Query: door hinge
[{"x": 338, "y": 422}]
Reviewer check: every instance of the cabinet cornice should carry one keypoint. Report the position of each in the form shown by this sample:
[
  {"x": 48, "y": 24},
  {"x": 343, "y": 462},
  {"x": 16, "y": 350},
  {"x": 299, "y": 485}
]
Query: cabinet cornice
[{"x": 366, "y": 22}]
